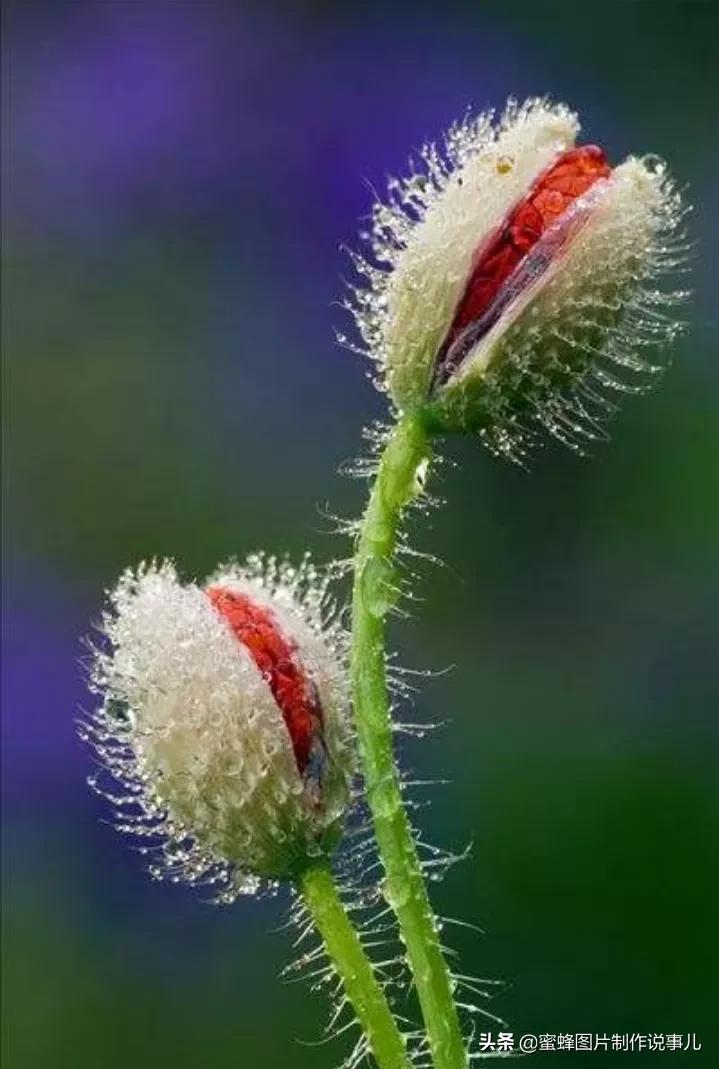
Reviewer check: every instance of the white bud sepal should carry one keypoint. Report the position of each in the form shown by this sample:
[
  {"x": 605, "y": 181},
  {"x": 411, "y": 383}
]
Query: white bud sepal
[
  {"x": 193, "y": 721},
  {"x": 568, "y": 321}
]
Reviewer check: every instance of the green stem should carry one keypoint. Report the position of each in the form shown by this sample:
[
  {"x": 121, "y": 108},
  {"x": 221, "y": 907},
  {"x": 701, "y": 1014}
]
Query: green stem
[
  {"x": 375, "y": 591},
  {"x": 351, "y": 962}
]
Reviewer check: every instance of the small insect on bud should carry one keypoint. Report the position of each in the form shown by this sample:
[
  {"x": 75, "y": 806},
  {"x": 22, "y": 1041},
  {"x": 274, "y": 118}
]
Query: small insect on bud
[
  {"x": 514, "y": 273},
  {"x": 225, "y": 719}
]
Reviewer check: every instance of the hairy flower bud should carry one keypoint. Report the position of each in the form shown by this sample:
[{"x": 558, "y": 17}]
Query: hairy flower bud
[
  {"x": 225, "y": 717},
  {"x": 513, "y": 273}
]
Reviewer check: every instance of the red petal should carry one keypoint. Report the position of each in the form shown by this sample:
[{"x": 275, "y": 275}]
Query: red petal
[
  {"x": 571, "y": 175},
  {"x": 276, "y": 658}
]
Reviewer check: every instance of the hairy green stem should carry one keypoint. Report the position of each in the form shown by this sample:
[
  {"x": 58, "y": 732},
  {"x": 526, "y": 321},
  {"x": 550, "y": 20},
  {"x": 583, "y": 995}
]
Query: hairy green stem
[
  {"x": 349, "y": 959},
  {"x": 375, "y": 590}
]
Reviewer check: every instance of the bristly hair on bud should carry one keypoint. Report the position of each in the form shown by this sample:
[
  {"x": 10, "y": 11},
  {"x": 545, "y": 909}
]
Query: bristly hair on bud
[
  {"x": 513, "y": 281},
  {"x": 223, "y": 731}
]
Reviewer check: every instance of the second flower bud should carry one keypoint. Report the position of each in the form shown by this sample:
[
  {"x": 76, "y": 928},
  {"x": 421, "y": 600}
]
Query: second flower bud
[{"x": 225, "y": 717}]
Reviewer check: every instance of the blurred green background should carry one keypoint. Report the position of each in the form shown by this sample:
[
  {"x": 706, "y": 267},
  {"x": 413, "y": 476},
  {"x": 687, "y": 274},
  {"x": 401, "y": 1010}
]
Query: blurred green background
[{"x": 179, "y": 177}]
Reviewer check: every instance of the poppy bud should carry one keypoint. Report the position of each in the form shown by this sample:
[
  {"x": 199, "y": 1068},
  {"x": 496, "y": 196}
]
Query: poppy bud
[
  {"x": 515, "y": 274},
  {"x": 225, "y": 717}
]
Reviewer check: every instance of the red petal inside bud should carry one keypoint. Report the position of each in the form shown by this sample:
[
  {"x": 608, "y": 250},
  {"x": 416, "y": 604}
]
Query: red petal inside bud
[
  {"x": 276, "y": 657},
  {"x": 571, "y": 175}
]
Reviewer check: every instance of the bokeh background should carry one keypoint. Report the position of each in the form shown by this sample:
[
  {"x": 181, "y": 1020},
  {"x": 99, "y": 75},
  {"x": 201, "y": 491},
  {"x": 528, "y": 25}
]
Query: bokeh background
[{"x": 179, "y": 178}]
